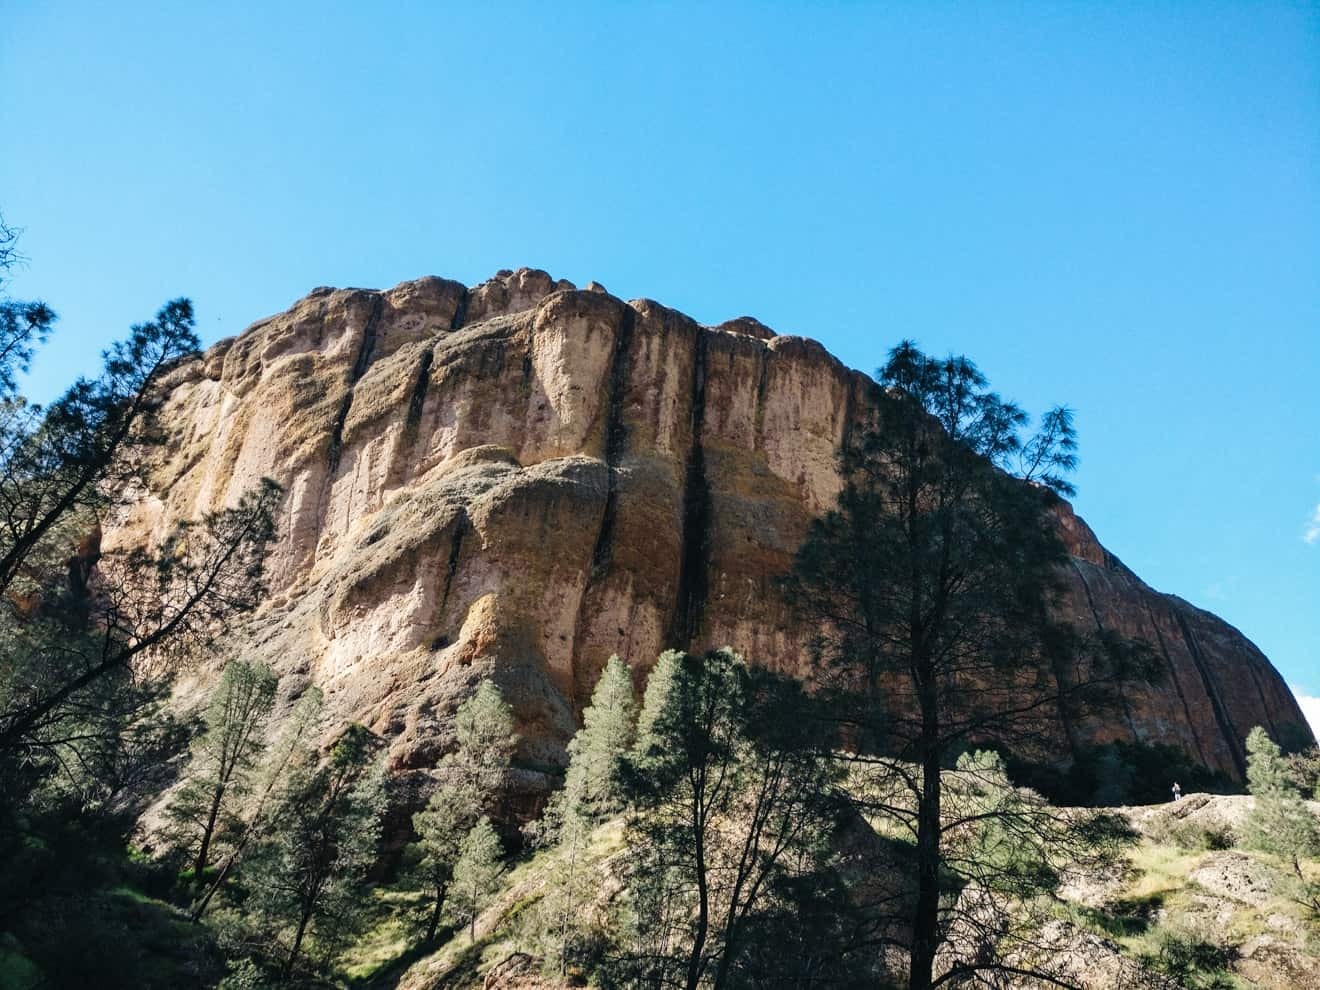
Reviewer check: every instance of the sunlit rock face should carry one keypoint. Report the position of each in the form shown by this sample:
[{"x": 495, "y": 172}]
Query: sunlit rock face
[{"x": 519, "y": 479}]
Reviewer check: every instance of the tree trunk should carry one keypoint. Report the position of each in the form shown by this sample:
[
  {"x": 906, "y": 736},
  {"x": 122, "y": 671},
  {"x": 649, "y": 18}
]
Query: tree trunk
[
  {"x": 199, "y": 867},
  {"x": 703, "y": 914},
  {"x": 925, "y": 922},
  {"x": 297, "y": 943},
  {"x": 439, "y": 906}
]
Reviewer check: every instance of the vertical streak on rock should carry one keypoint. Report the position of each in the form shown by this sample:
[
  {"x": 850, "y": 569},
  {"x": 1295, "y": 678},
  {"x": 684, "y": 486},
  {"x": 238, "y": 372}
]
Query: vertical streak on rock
[
  {"x": 337, "y": 435},
  {"x": 616, "y": 442},
  {"x": 1069, "y": 728},
  {"x": 417, "y": 398},
  {"x": 1177, "y": 684},
  {"x": 762, "y": 383},
  {"x": 460, "y": 314},
  {"x": 1226, "y": 727},
  {"x": 360, "y": 365},
  {"x": 366, "y": 350},
  {"x": 1075, "y": 745},
  {"x": 1265, "y": 706},
  {"x": 692, "y": 576},
  {"x": 455, "y": 550},
  {"x": 849, "y": 410},
  {"x": 1095, "y": 613}
]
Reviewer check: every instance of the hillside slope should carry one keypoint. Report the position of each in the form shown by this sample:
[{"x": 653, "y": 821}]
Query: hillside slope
[{"x": 1189, "y": 908}]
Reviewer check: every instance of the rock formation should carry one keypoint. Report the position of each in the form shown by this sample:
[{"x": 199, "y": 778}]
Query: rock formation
[{"x": 522, "y": 478}]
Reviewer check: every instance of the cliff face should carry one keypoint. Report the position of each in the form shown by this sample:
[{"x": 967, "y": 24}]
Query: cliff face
[{"x": 521, "y": 478}]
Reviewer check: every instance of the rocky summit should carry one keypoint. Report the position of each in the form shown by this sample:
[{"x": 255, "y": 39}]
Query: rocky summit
[{"x": 522, "y": 478}]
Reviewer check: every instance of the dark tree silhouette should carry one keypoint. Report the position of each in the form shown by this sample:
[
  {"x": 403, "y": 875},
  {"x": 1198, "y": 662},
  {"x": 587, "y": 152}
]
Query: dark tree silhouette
[
  {"x": 934, "y": 583},
  {"x": 83, "y": 731},
  {"x": 735, "y": 795}
]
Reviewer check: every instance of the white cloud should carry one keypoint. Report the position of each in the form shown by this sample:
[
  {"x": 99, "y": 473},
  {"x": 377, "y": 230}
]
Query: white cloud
[
  {"x": 1312, "y": 534},
  {"x": 1310, "y": 708}
]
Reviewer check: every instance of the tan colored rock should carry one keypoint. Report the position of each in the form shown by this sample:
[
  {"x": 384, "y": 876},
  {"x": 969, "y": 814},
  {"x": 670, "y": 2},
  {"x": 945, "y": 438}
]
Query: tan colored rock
[
  {"x": 749, "y": 325},
  {"x": 522, "y": 478},
  {"x": 1235, "y": 876}
]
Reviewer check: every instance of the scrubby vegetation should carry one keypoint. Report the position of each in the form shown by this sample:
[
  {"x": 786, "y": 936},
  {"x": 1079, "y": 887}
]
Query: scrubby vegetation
[{"x": 616, "y": 900}]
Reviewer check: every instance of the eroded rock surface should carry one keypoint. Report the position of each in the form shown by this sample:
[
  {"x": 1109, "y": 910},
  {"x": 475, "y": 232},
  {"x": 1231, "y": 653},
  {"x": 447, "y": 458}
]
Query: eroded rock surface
[{"x": 521, "y": 478}]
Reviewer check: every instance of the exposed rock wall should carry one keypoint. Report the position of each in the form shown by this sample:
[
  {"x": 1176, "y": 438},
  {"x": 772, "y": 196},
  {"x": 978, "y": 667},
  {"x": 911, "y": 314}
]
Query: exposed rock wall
[{"x": 522, "y": 478}]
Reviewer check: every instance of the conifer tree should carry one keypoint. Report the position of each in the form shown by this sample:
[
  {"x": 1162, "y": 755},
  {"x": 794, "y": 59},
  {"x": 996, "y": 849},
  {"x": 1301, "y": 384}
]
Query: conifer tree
[
  {"x": 478, "y": 868},
  {"x": 593, "y": 787},
  {"x": 733, "y": 787},
  {"x": 441, "y": 828},
  {"x": 291, "y": 752},
  {"x": 484, "y": 726},
  {"x": 470, "y": 780},
  {"x": 659, "y": 684},
  {"x": 567, "y": 914},
  {"x": 322, "y": 839},
  {"x": 593, "y": 790},
  {"x": 83, "y": 735},
  {"x": 935, "y": 584},
  {"x": 1280, "y": 822},
  {"x": 224, "y": 758}
]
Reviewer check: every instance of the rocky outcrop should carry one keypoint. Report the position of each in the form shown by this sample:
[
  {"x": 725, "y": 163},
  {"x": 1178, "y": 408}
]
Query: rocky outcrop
[{"x": 521, "y": 478}]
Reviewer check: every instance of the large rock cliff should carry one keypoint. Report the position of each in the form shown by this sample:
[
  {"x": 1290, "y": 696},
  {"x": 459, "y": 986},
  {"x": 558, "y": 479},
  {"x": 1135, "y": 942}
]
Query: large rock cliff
[{"x": 522, "y": 478}]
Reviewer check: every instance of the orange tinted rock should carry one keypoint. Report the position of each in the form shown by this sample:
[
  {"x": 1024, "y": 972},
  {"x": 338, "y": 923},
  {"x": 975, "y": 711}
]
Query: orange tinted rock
[{"x": 520, "y": 479}]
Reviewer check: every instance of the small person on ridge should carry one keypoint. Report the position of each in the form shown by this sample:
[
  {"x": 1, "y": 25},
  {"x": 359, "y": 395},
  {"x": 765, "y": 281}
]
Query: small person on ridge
[{"x": 1177, "y": 791}]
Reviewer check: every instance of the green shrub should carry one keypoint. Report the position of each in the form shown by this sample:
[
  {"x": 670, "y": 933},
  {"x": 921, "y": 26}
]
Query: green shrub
[
  {"x": 244, "y": 974},
  {"x": 1280, "y": 823},
  {"x": 1123, "y": 918},
  {"x": 1195, "y": 836},
  {"x": 1193, "y": 961}
]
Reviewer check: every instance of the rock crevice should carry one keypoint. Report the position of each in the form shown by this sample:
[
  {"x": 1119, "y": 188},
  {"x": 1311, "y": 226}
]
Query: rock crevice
[
  {"x": 616, "y": 437},
  {"x": 690, "y": 600},
  {"x": 1228, "y": 731}
]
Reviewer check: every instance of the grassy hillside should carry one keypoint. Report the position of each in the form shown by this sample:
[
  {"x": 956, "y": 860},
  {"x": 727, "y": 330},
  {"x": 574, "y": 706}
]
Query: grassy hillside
[{"x": 1189, "y": 908}]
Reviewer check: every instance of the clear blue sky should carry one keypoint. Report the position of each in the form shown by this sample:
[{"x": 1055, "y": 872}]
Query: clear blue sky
[{"x": 1113, "y": 206}]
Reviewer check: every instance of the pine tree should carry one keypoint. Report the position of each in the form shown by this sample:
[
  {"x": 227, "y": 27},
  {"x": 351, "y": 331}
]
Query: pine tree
[
  {"x": 593, "y": 790},
  {"x": 484, "y": 727},
  {"x": 61, "y": 467},
  {"x": 659, "y": 684},
  {"x": 593, "y": 787},
  {"x": 475, "y": 874},
  {"x": 441, "y": 828},
  {"x": 323, "y": 837},
  {"x": 224, "y": 758},
  {"x": 471, "y": 777},
  {"x": 565, "y": 911},
  {"x": 935, "y": 584},
  {"x": 1280, "y": 822},
  {"x": 83, "y": 733},
  {"x": 291, "y": 752},
  {"x": 733, "y": 789}
]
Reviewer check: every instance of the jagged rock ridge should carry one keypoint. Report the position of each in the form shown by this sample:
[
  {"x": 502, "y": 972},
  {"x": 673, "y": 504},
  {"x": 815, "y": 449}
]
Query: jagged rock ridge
[{"x": 522, "y": 478}]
